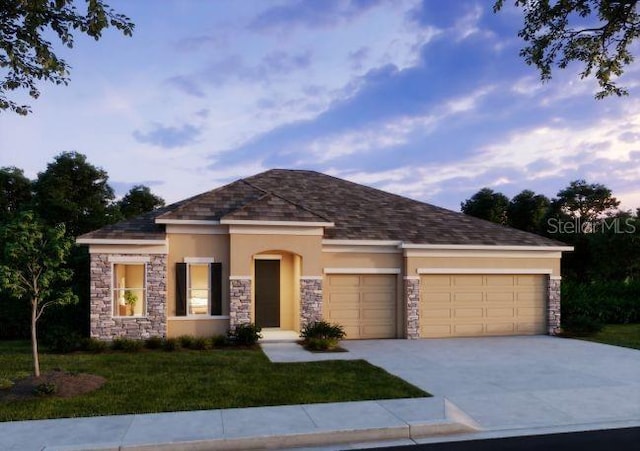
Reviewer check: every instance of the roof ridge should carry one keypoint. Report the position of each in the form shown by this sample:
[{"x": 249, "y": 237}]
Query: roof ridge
[{"x": 302, "y": 207}]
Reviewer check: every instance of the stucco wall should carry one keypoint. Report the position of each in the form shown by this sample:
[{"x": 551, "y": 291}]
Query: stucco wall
[{"x": 203, "y": 246}]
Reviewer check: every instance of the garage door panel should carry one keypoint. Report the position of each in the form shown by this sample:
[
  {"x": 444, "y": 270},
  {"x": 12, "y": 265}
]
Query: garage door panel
[
  {"x": 508, "y": 296},
  {"x": 476, "y": 304},
  {"x": 462, "y": 296},
  {"x": 365, "y": 305},
  {"x": 467, "y": 313},
  {"x": 440, "y": 281},
  {"x": 440, "y": 297},
  {"x": 530, "y": 280},
  {"x": 344, "y": 281},
  {"x": 468, "y": 329},
  {"x": 500, "y": 313},
  {"x": 377, "y": 281}
]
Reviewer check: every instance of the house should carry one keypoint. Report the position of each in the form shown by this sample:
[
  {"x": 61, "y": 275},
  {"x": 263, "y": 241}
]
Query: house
[{"x": 287, "y": 247}]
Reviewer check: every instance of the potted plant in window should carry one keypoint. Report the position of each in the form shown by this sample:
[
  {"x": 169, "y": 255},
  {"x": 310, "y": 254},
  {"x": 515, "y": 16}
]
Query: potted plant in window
[{"x": 130, "y": 300}]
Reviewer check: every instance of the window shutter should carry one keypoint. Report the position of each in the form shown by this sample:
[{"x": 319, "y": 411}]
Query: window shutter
[
  {"x": 215, "y": 270},
  {"x": 181, "y": 289}
]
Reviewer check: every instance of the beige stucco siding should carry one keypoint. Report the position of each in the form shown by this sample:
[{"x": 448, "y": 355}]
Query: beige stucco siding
[
  {"x": 483, "y": 263},
  {"x": 202, "y": 246},
  {"x": 361, "y": 260},
  {"x": 197, "y": 327},
  {"x": 246, "y": 246}
]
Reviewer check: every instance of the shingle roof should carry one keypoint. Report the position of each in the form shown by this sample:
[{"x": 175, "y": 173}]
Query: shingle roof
[{"x": 359, "y": 212}]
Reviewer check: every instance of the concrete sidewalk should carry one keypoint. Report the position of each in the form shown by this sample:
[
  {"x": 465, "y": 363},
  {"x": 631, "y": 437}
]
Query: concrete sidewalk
[{"x": 241, "y": 429}]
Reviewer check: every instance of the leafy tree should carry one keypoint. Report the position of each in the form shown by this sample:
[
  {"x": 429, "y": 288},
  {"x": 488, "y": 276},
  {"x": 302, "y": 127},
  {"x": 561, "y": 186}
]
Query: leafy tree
[
  {"x": 615, "y": 246},
  {"x": 15, "y": 192},
  {"x": 527, "y": 211},
  {"x": 26, "y": 56},
  {"x": 76, "y": 193},
  {"x": 487, "y": 204},
  {"x": 595, "y": 33},
  {"x": 586, "y": 201},
  {"x": 139, "y": 200},
  {"x": 32, "y": 267}
]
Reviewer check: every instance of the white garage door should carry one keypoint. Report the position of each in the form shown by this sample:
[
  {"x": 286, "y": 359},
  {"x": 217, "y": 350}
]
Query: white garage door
[
  {"x": 458, "y": 305},
  {"x": 364, "y": 304}
]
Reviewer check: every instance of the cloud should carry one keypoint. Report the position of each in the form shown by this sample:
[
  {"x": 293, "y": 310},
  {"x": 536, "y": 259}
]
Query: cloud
[
  {"x": 311, "y": 14},
  {"x": 233, "y": 68},
  {"x": 194, "y": 43},
  {"x": 168, "y": 137},
  {"x": 187, "y": 85},
  {"x": 357, "y": 57}
]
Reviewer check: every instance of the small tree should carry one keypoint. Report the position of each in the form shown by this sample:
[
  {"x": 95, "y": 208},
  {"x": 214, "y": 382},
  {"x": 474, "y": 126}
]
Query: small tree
[{"x": 32, "y": 267}]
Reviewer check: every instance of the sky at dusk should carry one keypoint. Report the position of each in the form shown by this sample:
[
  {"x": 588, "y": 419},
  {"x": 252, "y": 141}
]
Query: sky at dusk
[{"x": 425, "y": 99}]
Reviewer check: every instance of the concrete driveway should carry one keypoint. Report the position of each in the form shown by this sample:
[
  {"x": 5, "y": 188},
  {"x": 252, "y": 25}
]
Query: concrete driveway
[{"x": 518, "y": 382}]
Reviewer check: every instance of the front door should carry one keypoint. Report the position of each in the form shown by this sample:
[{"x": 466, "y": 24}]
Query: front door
[{"x": 268, "y": 293}]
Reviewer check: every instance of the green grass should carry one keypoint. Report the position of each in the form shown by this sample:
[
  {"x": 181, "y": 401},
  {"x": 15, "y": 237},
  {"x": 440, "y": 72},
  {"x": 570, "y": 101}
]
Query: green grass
[
  {"x": 626, "y": 335},
  {"x": 158, "y": 381}
]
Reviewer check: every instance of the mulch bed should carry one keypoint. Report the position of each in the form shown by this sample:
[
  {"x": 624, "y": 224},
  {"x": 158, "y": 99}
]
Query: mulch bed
[{"x": 67, "y": 385}]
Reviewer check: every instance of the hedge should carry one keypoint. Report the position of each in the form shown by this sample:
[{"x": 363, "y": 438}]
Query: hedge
[{"x": 606, "y": 302}]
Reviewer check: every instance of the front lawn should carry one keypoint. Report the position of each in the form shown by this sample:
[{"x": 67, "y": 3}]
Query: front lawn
[
  {"x": 627, "y": 335},
  {"x": 159, "y": 381}
]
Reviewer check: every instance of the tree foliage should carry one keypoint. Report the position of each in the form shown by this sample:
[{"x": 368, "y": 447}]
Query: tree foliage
[
  {"x": 74, "y": 192},
  {"x": 586, "y": 201},
  {"x": 139, "y": 200},
  {"x": 527, "y": 211},
  {"x": 15, "y": 192},
  {"x": 597, "y": 34},
  {"x": 487, "y": 204},
  {"x": 32, "y": 269},
  {"x": 26, "y": 56}
]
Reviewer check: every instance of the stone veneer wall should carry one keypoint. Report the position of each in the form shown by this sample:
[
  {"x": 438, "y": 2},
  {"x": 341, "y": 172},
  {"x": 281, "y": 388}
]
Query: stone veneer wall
[
  {"x": 310, "y": 301},
  {"x": 553, "y": 307},
  {"x": 240, "y": 302},
  {"x": 412, "y": 300},
  {"x": 103, "y": 323}
]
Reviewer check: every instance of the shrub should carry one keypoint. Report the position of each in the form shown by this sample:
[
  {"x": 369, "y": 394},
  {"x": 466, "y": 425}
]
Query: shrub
[
  {"x": 604, "y": 302},
  {"x": 218, "y": 341},
  {"x": 153, "y": 343},
  {"x": 186, "y": 341},
  {"x": 126, "y": 344},
  {"x": 582, "y": 326},
  {"x": 323, "y": 330},
  {"x": 61, "y": 339},
  {"x": 245, "y": 335},
  {"x": 201, "y": 344},
  {"x": 94, "y": 345},
  {"x": 45, "y": 389},
  {"x": 171, "y": 344},
  {"x": 322, "y": 335}
]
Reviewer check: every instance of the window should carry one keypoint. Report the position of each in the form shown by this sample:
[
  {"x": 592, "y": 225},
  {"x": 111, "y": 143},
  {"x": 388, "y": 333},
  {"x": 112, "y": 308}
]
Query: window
[
  {"x": 198, "y": 288},
  {"x": 129, "y": 289}
]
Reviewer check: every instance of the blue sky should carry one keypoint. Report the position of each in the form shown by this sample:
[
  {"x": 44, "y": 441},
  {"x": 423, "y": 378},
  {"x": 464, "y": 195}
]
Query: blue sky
[{"x": 425, "y": 99}]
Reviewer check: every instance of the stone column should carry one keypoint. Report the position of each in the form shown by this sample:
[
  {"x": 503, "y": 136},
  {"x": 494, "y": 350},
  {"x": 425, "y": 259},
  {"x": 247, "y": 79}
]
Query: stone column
[
  {"x": 240, "y": 301},
  {"x": 553, "y": 306},
  {"x": 310, "y": 300},
  {"x": 412, "y": 304},
  {"x": 103, "y": 323}
]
